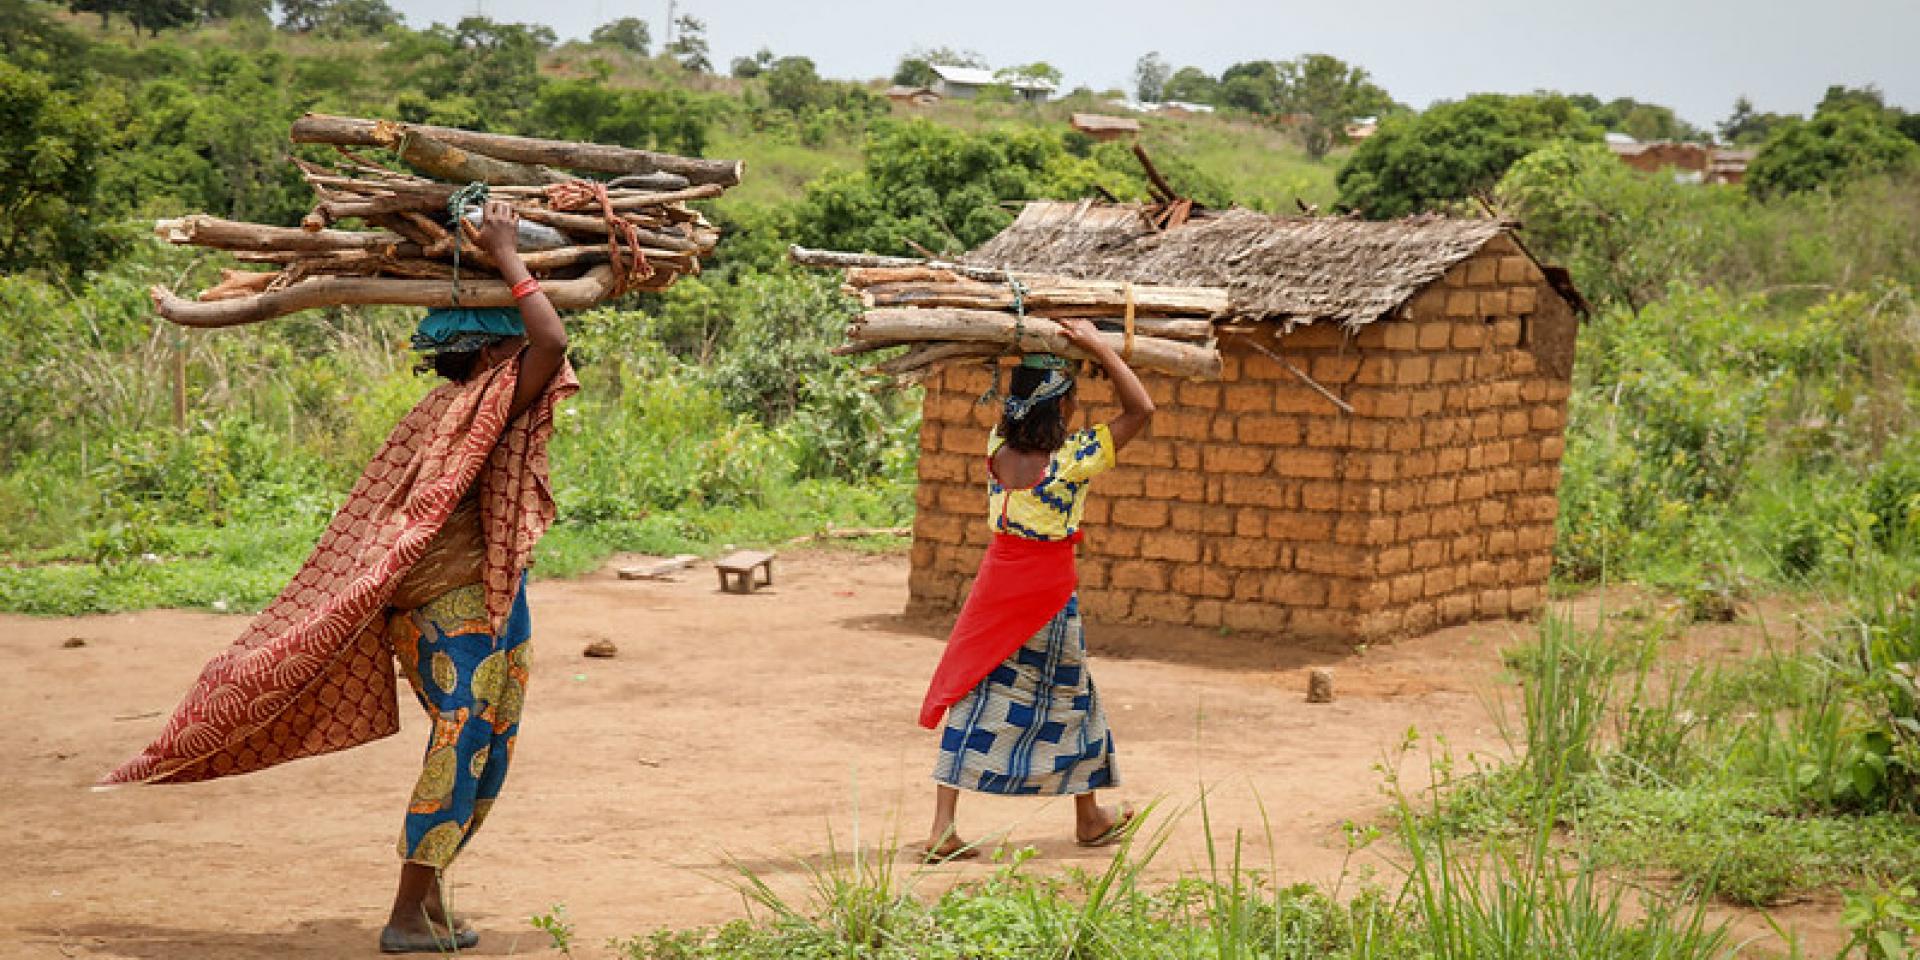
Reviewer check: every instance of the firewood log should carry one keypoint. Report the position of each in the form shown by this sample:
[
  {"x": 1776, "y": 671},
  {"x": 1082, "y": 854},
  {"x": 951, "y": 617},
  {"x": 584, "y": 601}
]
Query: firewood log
[
  {"x": 201, "y": 230},
  {"x": 587, "y": 290},
  {"x": 443, "y": 161},
  {"x": 602, "y": 158},
  {"x": 237, "y": 283},
  {"x": 1033, "y": 335}
]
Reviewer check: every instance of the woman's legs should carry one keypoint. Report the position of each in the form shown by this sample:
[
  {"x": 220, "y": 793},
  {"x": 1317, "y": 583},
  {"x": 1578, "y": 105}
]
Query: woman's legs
[
  {"x": 419, "y": 884},
  {"x": 944, "y": 839}
]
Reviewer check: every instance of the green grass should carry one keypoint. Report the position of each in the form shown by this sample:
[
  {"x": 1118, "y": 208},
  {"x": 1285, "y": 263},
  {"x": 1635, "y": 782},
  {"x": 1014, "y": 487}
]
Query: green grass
[
  {"x": 778, "y": 169},
  {"x": 1519, "y": 902},
  {"x": 1262, "y": 167},
  {"x": 242, "y": 565},
  {"x": 1738, "y": 778}
]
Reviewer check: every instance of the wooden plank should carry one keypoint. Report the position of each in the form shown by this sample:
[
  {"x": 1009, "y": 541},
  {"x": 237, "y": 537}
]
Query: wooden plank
[{"x": 741, "y": 561}]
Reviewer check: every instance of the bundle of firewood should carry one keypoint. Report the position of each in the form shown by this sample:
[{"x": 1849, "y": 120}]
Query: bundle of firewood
[
  {"x": 587, "y": 239},
  {"x": 943, "y": 312}
]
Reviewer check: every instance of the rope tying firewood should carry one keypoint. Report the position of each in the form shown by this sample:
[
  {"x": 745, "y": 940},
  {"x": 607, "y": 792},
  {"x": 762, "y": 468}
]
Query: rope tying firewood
[
  {"x": 1019, "y": 291},
  {"x": 584, "y": 194},
  {"x": 462, "y": 200}
]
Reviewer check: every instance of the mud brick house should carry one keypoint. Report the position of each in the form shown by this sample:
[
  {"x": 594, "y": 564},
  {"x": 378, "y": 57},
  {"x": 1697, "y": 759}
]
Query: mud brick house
[{"x": 1380, "y": 458}]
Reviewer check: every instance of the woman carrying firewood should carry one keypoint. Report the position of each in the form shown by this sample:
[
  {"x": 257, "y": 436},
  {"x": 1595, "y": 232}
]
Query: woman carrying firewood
[
  {"x": 426, "y": 560},
  {"x": 1022, "y": 715}
]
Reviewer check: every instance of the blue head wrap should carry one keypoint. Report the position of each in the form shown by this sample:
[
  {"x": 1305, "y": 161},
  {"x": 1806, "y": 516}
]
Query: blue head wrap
[
  {"x": 465, "y": 329},
  {"x": 1056, "y": 384}
]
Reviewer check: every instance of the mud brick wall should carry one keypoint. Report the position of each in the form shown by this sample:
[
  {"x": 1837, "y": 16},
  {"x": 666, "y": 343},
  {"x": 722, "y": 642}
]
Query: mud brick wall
[{"x": 1256, "y": 504}]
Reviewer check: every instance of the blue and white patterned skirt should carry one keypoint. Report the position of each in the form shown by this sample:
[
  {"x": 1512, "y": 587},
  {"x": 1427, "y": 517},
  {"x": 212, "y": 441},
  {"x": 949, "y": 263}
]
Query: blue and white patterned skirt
[{"x": 1034, "y": 725}]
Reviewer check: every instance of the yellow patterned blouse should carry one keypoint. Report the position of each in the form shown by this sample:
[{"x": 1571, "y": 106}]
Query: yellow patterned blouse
[{"x": 1051, "y": 509}]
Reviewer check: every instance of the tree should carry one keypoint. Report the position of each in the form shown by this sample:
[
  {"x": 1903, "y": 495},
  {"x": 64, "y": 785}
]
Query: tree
[
  {"x": 105, "y": 8},
  {"x": 1254, "y": 86},
  {"x": 627, "y": 33},
  {"x": 1329, "y": 93},
  {"x": 1639, "y": 120},
  {"x": 1623, "y": 233},
  {"x": 746, "y": 68},
  {"x": 481, "y": 72},
  {"x": 913, "y": 71},
  {"x": 689, "y": 44},
  {"x": 1840, "y": 97},
  {"x": 51, "y": 146},
  {"x": 1037, "y": 70},
  {"x": 1191, "y": 85},
  {"x": 1745, "y": 126},
  {"x": 1840, "y": 144},
  {"x": 794, "y": 85},
  {"x": 1446, "y": 154},
  {"x": 154, "y": 16},
  {"x": 337, "y": 17},
  {"x": 1150, "y": 75}
]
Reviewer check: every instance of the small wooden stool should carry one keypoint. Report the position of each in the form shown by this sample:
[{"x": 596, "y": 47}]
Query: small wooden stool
[{"x": 737, "y": 571}]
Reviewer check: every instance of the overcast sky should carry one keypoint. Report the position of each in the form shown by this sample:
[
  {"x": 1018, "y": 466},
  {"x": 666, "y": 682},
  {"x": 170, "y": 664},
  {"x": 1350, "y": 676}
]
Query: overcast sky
[{"x": 1693, "y": 55}]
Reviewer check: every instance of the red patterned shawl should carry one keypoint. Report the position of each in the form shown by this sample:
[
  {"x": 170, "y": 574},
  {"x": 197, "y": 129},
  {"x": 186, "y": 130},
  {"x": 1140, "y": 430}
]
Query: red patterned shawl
[{"x": 313, "y": 673}]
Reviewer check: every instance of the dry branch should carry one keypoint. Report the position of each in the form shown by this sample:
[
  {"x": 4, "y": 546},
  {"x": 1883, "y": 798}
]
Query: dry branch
[
  {"x": 579, "y": 293},
  {"x": 202, "y": 230},
  {"x": 601, "y": 158},
  {"x": 1032, "y": 335},
  {"x": 443, "y": 161}
]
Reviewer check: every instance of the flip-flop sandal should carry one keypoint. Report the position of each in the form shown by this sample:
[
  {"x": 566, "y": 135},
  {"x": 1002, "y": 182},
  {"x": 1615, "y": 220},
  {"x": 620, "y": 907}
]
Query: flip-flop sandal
[
  {"x": 935, "y": 855},
  {"x": 397, "y": 941},
  {"x": 1113, "y": 833}
]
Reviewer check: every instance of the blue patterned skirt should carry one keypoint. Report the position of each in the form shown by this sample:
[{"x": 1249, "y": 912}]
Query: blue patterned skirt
[
  {"x": 472, "y": 684},
  {"x": 1034, "y": 725}
]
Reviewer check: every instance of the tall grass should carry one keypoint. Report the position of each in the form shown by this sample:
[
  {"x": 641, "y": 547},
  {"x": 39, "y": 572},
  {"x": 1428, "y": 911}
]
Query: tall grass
[{"x": 1520, "y": 904}]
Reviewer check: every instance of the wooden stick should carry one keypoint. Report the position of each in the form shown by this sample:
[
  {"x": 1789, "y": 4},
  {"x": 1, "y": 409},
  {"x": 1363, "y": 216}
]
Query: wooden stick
[
  {"x": 874, "y": 276},
  {"x": 1167, "y": 194},
  {"x": 328, "y": 212},
  {"x": 834, "y": 258},
  {"x": 201, "y": 230},
  {"x": 584, "y": 223},
  {"x": 353, "y": 132},
  {"x": 1032, "y": 335},
  {"x": 443, "y": 161},
  {"x": 1058, "y": 293},
  {"x": 236, "y": 283},
  {"x": 585, "y": 291},
  {"x": 1344, "y": 406}
]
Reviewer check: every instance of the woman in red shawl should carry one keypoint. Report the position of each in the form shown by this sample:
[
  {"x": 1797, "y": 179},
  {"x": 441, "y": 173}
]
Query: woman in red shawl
[
  {"x": 1021, "y": 712},
  {"x": 426, "y": 561}
]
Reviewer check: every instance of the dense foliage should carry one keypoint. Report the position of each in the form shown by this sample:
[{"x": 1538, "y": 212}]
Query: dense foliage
[{"x": 1453, "y": 150}]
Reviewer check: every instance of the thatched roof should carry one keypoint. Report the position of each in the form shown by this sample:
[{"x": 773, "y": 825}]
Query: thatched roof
[{"x": 1292, "y": 269}]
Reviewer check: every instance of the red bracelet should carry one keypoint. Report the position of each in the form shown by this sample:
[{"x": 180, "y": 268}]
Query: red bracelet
[{"x": 526, "y": 288}]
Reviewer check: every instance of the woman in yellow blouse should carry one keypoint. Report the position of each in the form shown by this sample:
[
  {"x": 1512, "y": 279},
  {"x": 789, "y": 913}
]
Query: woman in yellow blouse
[{"x": 1021, "y": 713}]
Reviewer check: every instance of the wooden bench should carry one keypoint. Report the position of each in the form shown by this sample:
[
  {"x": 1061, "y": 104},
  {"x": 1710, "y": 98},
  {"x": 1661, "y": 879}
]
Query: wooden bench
[{"x": 737, "y": 570}]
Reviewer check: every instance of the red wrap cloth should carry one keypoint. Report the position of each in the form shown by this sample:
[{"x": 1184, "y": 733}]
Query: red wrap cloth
[
  {"x": 1022, "y": 584},
  {"x": 314, "y": 673}
]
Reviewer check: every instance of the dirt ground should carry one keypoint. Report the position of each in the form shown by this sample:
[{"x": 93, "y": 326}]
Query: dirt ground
[{"x": 729, "y": 728}]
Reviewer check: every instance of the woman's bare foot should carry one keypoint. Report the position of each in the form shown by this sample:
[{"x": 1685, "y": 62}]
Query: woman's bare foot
[
  {"x": 1098, "y": 826},
  {"x": 948, "y": 848}
]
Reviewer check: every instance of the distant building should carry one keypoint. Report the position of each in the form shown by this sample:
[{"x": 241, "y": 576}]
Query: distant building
[
  {"x": 1103, "y": 127},
  {"x": 913, "y": 96},
  {"x": 1360, "y": 128},
  {"x": 1729, "y": 166},
  {"x": 965, "y": 83},
  {"x": 1182, "y": 107},
  {"x": 1687, "y": 162}
]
